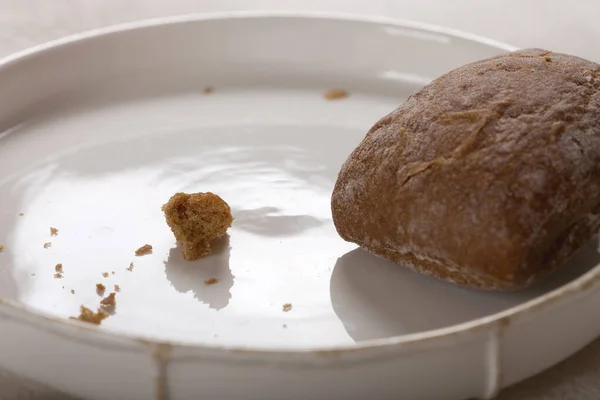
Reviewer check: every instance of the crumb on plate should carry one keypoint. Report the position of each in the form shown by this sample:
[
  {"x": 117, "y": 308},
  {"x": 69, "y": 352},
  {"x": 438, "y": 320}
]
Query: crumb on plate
[
  {"x": 211, "y": 281},
  {"x": 58, "y": 275},
  {"x": 21, "y": 214},
  {"x": 117, "y": 288},
  {"x": 208, "y": 90},
  {"x": 142, "y": 251},
  {"x": 72, "y": 291},
  {"x": 53, "y": 231},
  {"x": 285, "y": 325},
  {"x": 1, "y": 248},
  {"x": 87, "y": 315},
  {"x": 109, "y": 301},
  {"x": 32, "y": 274},
  {"x": 105, "y": 274},
  {"x": 335, "y": 94},
  {"x": 100, "y": 288},
  {"x": 112, "y": 272},
  {"x": 287, "y": 307},
  {"x": 58, "y": 268},
  {"x": 130, "y": 268},
  {"x": 47, "y": 244}
]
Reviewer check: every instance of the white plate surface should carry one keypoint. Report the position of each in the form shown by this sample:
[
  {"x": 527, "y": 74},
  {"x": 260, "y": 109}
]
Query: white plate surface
[{"x": 97, "y": 132}]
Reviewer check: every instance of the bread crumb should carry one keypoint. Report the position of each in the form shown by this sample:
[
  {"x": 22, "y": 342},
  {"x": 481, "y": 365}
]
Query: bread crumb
[
  {"x": 142, "y": 251},
  {"x": 130, "y": 268},
  {"x": 287, "y": 307},
  {"x": 58, "y": 268},
  {"x": 105, "y": 274},
  {"x": 53, "y": 231},
  {"x": 1, "y": 248},
  {"x": 32, "y": 274},
  {"x": 21, "y": 214},
  {"x": 208, "y": 90},
  {"x": 211, "y": 281},
  {"x": 196, "y": 220},
  {"x": 47, "y": 244},
  {"x": 58, "y": 275},
  {"x": 87, "y": 315},
  {"x": 72, "y": 291},
  {"x": 285, "y": 325},
  {"x": 335, "y": 94},
  {"x": 112, "y": 272},
  {"x": 109, "y": 302},
  {"x": 117, "y": 288},
  {"x": 100, "y": 288}
]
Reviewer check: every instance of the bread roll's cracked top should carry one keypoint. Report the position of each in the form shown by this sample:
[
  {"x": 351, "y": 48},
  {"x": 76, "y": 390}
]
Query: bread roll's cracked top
[{"x": 489, "y": 176}]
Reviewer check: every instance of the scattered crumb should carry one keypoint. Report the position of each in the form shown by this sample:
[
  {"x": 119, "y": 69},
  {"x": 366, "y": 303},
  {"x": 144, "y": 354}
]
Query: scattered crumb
[
  {"x": 211, "y": 281},
  {"x": 117, "y": 288},
  {"x": 21, "y": 214},
  {"x": 197, "y": 220},
  {"x": 285, "y": 325},
  {"x": 53, "y": 231},
  {"x": 112, "y": 272},
  {"x": 145, "y": 249},
  {"x": 87, "y": 315},
  {"x": 47, "y": 244},
  {"x": 32, "y": 274},
  {"x": 1, "y": 248},
  {"x": 63, "y": 287},
  {"x": 105, "y": 274},
  {"x": 287, "y": 307},
  {"x": 335, "y": 94},
  {"x": 72, "y": 291},
  {"x": 208, "y": 90},
  {"x": 58, "y": 275},
  {"x": 109, "y": 301},
  {"x": 100, "y": 288},
  {"x": 130, "y": 268},
  {"x": 58, "y": 268}
]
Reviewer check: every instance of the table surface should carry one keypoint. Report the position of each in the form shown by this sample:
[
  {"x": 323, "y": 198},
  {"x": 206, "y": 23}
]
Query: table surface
[{"x": 558, "y": 25}]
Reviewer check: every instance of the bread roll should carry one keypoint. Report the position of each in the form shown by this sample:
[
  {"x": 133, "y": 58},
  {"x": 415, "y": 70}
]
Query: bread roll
[{"x": 488, "y": 177}]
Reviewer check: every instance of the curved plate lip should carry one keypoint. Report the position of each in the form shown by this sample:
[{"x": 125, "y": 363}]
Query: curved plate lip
[{"x": 97, "y": 336}]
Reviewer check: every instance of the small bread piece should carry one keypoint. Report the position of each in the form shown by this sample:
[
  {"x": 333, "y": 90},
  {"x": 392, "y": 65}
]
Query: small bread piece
[
  {"x": 197, "y": 220},
  {"x": 489, "y": 176}
]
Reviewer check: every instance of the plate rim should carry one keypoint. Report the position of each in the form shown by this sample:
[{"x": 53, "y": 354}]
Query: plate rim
[{"x": 590, "y": 281}]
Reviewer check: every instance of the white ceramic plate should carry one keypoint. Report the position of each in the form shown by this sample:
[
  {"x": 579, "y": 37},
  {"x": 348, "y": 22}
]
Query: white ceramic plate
[{"x": 97, "y": 131}]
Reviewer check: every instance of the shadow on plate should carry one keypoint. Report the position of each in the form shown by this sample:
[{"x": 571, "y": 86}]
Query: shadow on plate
[
  {"x": 188, "y": 276},
  {"x": 375, "y": 298},
  {"x": 264, "y": 221}
]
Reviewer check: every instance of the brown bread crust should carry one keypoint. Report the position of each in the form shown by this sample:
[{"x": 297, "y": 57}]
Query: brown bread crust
[{"x": 489, "y": 176}]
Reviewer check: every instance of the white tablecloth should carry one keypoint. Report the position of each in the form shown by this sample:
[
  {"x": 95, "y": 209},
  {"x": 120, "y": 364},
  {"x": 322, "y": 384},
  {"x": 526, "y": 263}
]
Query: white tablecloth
[{"x": 558, "y": 25}]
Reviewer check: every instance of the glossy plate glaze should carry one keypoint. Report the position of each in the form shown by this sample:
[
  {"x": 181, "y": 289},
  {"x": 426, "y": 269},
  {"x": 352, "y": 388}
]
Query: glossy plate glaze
[{"x": 99, "y": 130}]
